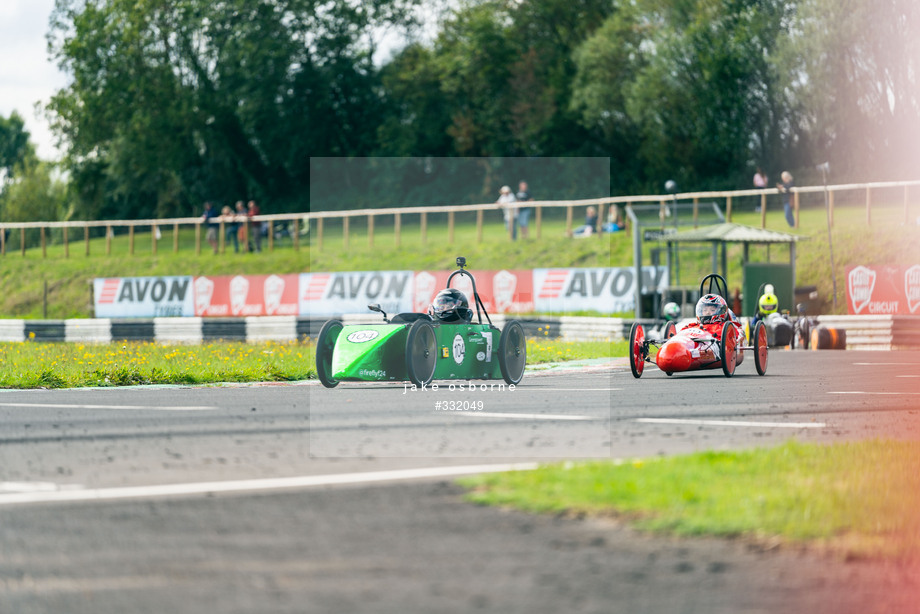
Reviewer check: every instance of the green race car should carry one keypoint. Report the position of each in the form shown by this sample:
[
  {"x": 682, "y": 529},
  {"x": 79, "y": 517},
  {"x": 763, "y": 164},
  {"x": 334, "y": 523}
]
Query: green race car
[{"x": 420, "y": 347}]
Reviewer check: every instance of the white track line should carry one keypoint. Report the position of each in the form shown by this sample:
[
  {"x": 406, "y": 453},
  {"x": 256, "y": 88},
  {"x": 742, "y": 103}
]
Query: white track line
[
  {"x": 884, "y": 364},
  {"x": 788, "y": 425},
  {"x": 578, "y": 389},
  {"x": 201, "y": 488},
  {"x": 36, "y": 486},
  {"x": 872, "y": 393},
  {"x": 126, "y": 407},
  {"x": 492, "y": 414}
]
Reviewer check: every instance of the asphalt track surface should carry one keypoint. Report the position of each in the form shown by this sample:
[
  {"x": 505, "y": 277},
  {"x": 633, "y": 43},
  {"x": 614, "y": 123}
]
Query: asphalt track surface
[{"x": 295, "y": 498}]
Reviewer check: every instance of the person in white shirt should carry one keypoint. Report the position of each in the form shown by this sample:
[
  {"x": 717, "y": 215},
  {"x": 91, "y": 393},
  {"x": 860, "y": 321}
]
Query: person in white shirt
[{"x": 506, "y": 200}]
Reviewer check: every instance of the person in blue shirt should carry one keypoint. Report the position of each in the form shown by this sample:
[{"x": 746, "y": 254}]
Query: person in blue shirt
[{"x": 209, "y": 217}]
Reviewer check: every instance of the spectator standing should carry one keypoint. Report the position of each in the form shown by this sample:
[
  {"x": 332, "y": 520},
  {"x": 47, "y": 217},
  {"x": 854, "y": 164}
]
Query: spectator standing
[
  {"x": 209, "y": 218},
  {"x": 785, "y": 188},
  {"x": 230, "y": 227},
  {"x": 506, "y": 200},
  {"x": 242, "y": 224},
  {"x": 255, "y": 228},
  {"x": 523, "y": 213}
]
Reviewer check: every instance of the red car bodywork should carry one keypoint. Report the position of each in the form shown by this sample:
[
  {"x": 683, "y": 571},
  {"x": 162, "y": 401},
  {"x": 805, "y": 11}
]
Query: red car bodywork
[{"x": 696, "y": 346}]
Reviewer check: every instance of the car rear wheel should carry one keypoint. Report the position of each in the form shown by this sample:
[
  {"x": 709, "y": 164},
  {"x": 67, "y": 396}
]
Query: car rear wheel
[
  {"x": 325, "y": 345},
  {"x": 637, "y": 350},
  {"x": 512, "y": 352},
  {"x": 669, "y": 330},
  {"x": 727, "y": 345},
  {"x": 760, "y": 348},
  {"x": 802, "y": 335},
  {"x": 421, "y": 352}
]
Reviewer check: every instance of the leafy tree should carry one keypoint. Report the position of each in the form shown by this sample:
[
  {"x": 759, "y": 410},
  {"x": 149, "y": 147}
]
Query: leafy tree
[
  {"x": 691, "y": 85},
  {"x": 416, "y": 115},
  {"x": 173, "y": 103},
  {"x": 858, "y": 64},
  {"x": 38, "y": 193},
  {"x": 495, "y": 82},
  {"x": 14, "y": 144}
]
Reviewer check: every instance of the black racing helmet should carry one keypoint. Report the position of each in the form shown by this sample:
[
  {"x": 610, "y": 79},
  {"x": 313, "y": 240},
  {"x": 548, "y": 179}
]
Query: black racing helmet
[{"x": 450, "y": 305}]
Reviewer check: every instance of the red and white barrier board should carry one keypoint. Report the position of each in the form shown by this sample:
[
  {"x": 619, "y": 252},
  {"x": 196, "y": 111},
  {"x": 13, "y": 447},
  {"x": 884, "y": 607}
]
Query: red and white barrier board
[
  {"x": 605, "y": 290},
  {"x": 143, "y": 297},
  {"x": 247, "y": 295},
  {"x": 884, "y": 290},
  {"x": 329, "y": 294},
  {"x": 500, "y": 291}
]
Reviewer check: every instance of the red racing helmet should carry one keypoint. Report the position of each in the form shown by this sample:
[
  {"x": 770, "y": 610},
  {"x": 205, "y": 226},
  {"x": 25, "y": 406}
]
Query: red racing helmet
[{"x": 712, "y": 309}]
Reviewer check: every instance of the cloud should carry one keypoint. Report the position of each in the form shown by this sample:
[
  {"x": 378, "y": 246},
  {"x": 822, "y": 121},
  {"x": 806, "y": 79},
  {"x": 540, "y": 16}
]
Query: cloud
[{"x": 27, "y": 74}]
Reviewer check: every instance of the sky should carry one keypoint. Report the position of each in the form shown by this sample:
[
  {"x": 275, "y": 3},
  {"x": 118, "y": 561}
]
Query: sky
[{"x": 27, "y": 75}]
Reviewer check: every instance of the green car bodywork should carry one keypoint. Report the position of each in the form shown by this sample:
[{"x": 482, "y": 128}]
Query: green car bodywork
[
  {"x": 421, "y": 347},
  {"x": 378, "y": 352}
]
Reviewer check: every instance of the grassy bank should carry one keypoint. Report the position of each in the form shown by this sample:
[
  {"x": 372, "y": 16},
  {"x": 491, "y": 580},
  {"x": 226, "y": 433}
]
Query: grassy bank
[
  {"x": 858, "y": 499},
  {"x": 68, "y": 280},
  {"x": 69, "y": 365}
]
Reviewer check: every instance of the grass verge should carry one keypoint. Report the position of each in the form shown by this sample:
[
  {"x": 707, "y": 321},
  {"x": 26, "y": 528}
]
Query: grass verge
[
  {"x": 541, "y": 351},
  {"x": 857, "y": 499},
  {"x": 70, "y": 365}
]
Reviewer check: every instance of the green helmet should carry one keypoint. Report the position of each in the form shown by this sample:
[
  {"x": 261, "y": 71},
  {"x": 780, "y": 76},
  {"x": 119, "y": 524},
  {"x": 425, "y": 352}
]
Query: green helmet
[{"x": 671, "y": 311}]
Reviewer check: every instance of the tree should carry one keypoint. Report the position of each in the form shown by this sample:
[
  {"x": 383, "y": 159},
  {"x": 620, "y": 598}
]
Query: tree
[
  {"x": 174, "y": 103},
  {"x": 692, "y": 86},
  {"x": 14, "y": 144},
  {"x": 859, "y": 67}
]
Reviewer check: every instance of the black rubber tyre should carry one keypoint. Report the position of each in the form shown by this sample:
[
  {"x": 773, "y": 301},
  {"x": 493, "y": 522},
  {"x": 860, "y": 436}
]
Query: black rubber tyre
[
  {"x": 669, "y": 330},
  {"x": 804, "y": 335},
  {"x": 636, "y": 350},
  {"x": 727, "y": 345},
  {"x": 325, "y": 344},
  {"x": 421, "y": 352},
  {"x": 512, "y": 352},
  {"x": 760, "y": 348}
]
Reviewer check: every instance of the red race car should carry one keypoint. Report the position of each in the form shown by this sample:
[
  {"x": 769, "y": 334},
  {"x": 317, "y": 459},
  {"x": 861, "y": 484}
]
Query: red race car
[{"x": 715, "y": 340}]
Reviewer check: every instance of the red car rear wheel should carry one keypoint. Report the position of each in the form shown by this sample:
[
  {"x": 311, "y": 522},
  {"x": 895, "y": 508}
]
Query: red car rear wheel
[
  {"x": 668, "y": 331},
  {"x": 727, "y": 345},
  {"x": 760, "y": 347},
  {"x": 637, "y": 350}
]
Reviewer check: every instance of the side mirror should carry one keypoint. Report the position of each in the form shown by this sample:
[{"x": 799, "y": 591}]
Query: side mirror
[{"x": 376, "y": 307}]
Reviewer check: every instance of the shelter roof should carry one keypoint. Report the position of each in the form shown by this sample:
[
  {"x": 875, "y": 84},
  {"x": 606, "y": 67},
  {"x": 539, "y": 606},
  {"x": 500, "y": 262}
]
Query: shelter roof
[{"x": 732, "y": 233}]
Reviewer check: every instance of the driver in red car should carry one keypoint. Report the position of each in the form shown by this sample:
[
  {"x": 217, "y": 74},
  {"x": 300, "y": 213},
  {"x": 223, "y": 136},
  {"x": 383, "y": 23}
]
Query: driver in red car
[
  {"x": 711, "y": 313},
  {"x": 697, "y": 345}
]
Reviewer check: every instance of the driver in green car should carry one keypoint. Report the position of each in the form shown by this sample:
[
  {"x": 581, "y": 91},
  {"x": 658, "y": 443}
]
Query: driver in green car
[{"x": 450, "y": 306}]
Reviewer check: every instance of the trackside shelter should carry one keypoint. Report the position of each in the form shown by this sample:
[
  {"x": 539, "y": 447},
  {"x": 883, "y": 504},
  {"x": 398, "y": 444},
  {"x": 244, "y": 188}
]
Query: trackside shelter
[{"x": 782, "y": 276}]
